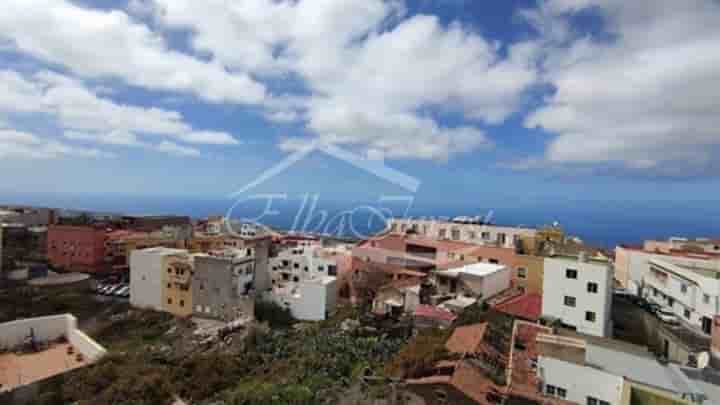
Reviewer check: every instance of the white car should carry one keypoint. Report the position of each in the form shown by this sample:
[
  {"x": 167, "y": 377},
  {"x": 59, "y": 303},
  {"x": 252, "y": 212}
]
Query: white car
[
  {"x": 112, "y": 289},
  {"x": 120, "y": 292}
]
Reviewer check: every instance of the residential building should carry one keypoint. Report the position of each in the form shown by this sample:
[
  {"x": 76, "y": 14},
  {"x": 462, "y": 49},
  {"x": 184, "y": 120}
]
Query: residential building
[
  {"x": 28, "y": 216},
  {"x": 476, "y": 233},
  {"x": 77, "y": 248},
  {"x": 177, "y": 296},
  {"x": 397, "y": 298},
  {"x": 529, "y": 273},
  {"x": 310, "y": 299},
  {"x": 20, "y": 246},
  {"x": 36, "y": 350},
  {"x": 689, "y": 290},
  {"x": 122, "y": 242},
  {"x": 632, "y": 263},
  {"x": 481, "y": 280},
  {"x": 578, "y": 292},
  {"x": 605, "y": 372},
  {"x": 148, "y": 270},
  {"x": 224, "y": 282},
  {"x": 299, "y": 263}
]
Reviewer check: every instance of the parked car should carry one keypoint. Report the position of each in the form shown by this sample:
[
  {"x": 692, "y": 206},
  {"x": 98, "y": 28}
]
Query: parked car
[
  {"x": 120, "y": 292},
  {"x": 112, "y": 289}
]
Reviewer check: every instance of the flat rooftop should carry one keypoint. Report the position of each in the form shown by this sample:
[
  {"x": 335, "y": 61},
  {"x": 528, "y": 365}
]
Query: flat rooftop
[
  {"x": 22, "y": 369},
  {"x": 475, "y": 269}
]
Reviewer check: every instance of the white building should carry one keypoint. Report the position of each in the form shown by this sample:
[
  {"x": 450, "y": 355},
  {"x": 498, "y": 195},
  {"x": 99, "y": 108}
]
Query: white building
[
  {"x": 304, "y": 281},
  {"x": 146, "y": 275},
  {"x": 300, "y": 263},
  {"x": 309, "y": 299},
  {"x": 480, "y": 234},
  {"x": 632, "y": 264},
  {"x": 604, "y": 372},
  {"x": 484, "y": 280},
  {"x": 691, "y": 292},
  {"x": 578, "y": 292}
]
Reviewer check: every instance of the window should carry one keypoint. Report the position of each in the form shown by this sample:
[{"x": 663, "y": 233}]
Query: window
[
  {"x": 169, "y": 301},
  {"x": 296, "y": 265},
  {"x": 486, "y": 235},
  {"x": 687, "y": 313},
  {"x": 550, "y": 389},
  {"x": 595, "y": 401},
  {"x": 522, "y": 272},
  {"x": 168, "y": 285},
  {"x": 455, "y": 234},
  {"x": 670, "y": 302},
  {"x": 182, "y": 303},
  {"x": 493, "y": 261},
  {"x": 706, "y": 299},
  {"x": 442, "y": 233},
  {"x": 655, "y": 292},
  {"x": 683, "y": 288},
  {"x": 569, "y": 301},
  {"x": 321, "y": 268},
  {"x": 592, "y": 288},
  {"x": 571, "y": 273},
  {"x": 561, "y": 392},
  {"x": 590, "y": 316},
  {"x": 471, "y": 235},
  {"x": 332, "y": 270}
]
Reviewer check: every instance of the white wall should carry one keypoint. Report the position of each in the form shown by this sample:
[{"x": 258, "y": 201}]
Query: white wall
[
  {"x": 556, "y": 286},
  {"x": 495, "y": 283},
  {"x": 48, "y": 328},
  {"x": 471, "y": 233},
  {"x": 311, "y": 303},
  {"x": 316, "y": 266},
  {"x": 85, "y": 345},
  {"x": 580, "y": 381},
  {"x": 146, "y": 279},
  {"x": 45, "y": 327}
]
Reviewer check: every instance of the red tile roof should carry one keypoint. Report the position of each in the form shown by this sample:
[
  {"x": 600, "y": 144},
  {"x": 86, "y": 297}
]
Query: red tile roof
[
  {"x": 467, "y": 379},
  {"x": 466, "y": 339},
  {"x": 428, "y": 311},
  {"x": 526, "y": 306}
]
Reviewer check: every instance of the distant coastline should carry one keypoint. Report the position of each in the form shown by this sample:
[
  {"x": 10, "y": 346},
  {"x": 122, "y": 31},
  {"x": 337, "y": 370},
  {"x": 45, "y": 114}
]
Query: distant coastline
[{"x": 604, "y": 224}]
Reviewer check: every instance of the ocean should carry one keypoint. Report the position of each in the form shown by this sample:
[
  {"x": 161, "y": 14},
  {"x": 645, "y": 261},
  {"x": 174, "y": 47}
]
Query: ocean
[{"x": 602, "y": 223}]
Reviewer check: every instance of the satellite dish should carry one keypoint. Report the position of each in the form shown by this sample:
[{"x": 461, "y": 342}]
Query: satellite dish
[{"x": 703, "y": 359}]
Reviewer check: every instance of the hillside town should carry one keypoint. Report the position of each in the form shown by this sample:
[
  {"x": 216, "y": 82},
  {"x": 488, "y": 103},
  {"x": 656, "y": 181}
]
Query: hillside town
[{"x": 475, "y": 313}]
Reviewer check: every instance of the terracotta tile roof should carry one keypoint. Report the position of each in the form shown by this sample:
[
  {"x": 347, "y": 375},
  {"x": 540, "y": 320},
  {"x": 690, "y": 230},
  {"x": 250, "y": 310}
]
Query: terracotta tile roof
[
  {"x": 526, "y": 306},
  {"x": 428, "y": 311},
  {"x": 466, "y": 339},
  {"x": 467, "y": 379}
]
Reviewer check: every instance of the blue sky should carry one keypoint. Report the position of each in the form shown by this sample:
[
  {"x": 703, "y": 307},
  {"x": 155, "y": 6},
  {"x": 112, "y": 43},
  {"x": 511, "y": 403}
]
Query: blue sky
[{"x": 481, "y": 101}]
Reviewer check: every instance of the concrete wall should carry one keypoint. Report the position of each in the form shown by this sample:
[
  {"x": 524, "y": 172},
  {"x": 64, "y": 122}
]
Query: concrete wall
[
  {"x": 556, "y": 286},
  {"x": 534, "y": 268},
  {"x": 146, "y": 279},
  {"x": 46, "y": 328},
  {"x": 471, "y": 233},
  {"x": 312, "y": 302},
  {"x": 580, "y": 381},
  {"x": 85, "y": 345},
  {"x": 218, "y": 292}
]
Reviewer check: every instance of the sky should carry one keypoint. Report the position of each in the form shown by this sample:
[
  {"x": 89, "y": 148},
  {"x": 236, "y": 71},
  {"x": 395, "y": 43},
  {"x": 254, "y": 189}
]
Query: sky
[{"x": 478, "y": 100}]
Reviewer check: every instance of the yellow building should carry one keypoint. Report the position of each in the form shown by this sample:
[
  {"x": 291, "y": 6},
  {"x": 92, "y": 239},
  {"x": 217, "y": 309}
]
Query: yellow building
[
  {"x": 529, "y": 273},
  {"x": 176, "y": 288}
]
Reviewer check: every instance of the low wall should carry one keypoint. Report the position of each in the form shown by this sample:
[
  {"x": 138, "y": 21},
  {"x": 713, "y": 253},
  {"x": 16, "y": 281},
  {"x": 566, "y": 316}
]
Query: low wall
[
  {"x": 45, "y": 328},
  {"x": 85, "y": 345}
]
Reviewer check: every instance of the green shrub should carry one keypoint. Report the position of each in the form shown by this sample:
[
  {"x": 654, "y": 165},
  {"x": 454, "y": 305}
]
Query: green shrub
[{"x": 276, "y": 315}]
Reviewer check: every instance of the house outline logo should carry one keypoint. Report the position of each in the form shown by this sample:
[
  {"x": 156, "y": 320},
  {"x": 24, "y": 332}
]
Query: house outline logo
[{"x": 374, "y": 166}]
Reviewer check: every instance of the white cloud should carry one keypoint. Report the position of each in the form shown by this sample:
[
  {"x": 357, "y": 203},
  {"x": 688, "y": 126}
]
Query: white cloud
[
  {"x": 110, "y": 138},
  {"x": 97, "y": 43},
  {"x": 23, "y": 145},
  {"x": 86, "y": 116},
  {"x": 178, "y": 150},
  {"x": 645, "y": 100},
  {"x": 370, "y": 73},
  {"x": 209, "y": 137}
]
